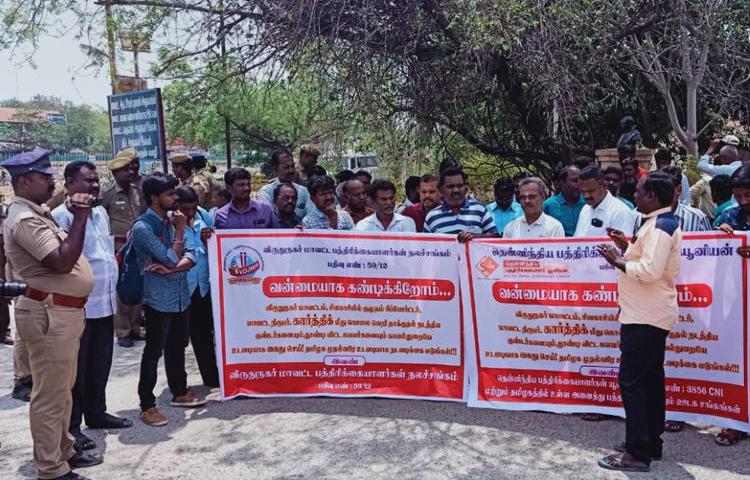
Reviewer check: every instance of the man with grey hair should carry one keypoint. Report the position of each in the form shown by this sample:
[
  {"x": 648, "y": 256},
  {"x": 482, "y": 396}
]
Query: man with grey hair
[
  {"x": 729, "y": 158},
  {"x": 534, "y": 223}
]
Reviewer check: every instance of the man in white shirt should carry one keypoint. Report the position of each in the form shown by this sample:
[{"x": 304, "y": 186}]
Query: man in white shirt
[
  {"x": 728, "y": 160},
  {"x": 602, "y": 210},
  {"x": 95, "y": 353},
  {"x": 534, "y": 223},
  {"x": 282, "y": 165},
  {"x": 385, "y": 219}
]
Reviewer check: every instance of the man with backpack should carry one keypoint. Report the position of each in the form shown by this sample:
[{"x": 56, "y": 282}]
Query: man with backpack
[{"x": 159, "y": 245}]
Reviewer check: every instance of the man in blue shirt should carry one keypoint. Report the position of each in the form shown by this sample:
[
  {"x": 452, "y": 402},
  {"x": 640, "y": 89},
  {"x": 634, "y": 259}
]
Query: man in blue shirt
[
  {"x": 566, "y": 206},
  {"x": 200, "y": 313},
  {"x": 163, "y": 258},
  {"x": 505, "y": 208},
  {"x": 727, "y": 162}
]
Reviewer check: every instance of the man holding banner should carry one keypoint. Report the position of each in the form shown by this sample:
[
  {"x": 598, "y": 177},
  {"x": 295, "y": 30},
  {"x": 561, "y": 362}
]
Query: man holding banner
[{"x": 648, "y": 311}]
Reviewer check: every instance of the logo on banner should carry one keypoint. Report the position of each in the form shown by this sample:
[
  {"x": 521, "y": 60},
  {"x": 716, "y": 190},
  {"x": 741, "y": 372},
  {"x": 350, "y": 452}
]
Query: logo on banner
[
  {"x": 487, "y": 266},
  {"x": 242, "y": 263}
]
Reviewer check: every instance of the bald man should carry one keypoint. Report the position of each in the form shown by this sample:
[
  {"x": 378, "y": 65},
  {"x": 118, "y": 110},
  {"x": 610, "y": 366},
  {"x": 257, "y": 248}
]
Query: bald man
[{"x": 728, "y": 161}]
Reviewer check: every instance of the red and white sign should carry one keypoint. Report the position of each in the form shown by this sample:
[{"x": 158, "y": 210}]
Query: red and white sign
[
  {"x": 547, "y": 336},
  {"x": 337, "y": 313}
]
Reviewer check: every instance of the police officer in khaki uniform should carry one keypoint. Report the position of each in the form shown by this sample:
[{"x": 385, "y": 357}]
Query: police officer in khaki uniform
[
  {"x": 182, "y": 167},
  {"x": 122, "y": 201},
  {"x": 201, "y": 169},
  {"x": 135, "y": 164},
  {"x": 50, "y": 315}
]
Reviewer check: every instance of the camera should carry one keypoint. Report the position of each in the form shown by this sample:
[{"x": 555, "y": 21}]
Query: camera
[{"x": 12, "y": 289}]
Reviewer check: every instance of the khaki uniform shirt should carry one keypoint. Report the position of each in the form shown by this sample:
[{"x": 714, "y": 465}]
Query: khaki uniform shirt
[
  {"x": 122, "y": 207},
  {"x": 213, "y": 188},
  {"x": 201, "y": 187},
  {"x": 30, "y": 235},
  {"x": 700, "y": 195}
]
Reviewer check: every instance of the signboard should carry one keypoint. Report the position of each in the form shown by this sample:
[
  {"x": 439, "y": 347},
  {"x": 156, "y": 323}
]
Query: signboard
[
  {"x": 137, "y": 120},
  {"x": 546, "y": 336},
  {"x": 337, "y": 314}
]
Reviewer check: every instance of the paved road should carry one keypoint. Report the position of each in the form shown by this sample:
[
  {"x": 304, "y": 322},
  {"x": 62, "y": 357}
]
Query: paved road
[{"x": 328, "y": 438}]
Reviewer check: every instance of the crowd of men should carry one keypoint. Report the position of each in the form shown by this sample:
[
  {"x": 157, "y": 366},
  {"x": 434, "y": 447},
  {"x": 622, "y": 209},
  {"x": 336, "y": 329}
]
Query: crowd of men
[{"x": 68, "y": 255}]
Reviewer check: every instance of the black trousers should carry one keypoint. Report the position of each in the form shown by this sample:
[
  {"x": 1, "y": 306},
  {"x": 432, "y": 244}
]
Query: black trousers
[
  {"x": 642, "y": 388},
  {"x": 167, "y": 333},
  {"x": 4, "y": 317},
  {"x": 201, "y": 322},
  {"x": 94, "y": 364}
]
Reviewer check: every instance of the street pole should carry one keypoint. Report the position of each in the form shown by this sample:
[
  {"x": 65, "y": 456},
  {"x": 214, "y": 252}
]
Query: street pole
[
  {"x": 110, "y": 24},
  {"x": 227, "y": 136}
]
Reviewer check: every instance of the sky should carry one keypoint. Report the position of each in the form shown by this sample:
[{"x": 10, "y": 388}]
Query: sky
[{"x": 59, "y": 71}]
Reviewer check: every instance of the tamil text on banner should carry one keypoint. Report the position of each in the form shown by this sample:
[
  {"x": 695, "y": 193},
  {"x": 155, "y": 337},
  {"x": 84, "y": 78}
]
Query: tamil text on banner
[
  {"x": 547, "y": 336},
  {"x": 337, "y": 313}
]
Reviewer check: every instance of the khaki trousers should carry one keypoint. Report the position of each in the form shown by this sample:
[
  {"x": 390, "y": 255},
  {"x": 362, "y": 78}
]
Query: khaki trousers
[
  {"x": 52, "y": 335},
  {"x": 21, "y": 367},
  {"x": 127, "y": 319}
]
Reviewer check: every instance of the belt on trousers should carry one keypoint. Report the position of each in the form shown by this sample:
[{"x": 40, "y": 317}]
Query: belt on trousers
[{"x": 57, "y": 298}]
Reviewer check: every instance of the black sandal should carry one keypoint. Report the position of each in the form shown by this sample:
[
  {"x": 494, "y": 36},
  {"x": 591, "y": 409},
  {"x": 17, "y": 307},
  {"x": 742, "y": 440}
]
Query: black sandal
[
  {"x": 617, "y": 462},
  {"x": 728, "y": 437}
]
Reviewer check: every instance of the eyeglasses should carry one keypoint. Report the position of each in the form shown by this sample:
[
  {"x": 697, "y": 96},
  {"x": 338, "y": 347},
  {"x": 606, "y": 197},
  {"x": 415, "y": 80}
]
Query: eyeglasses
[{"x": 596, "y": 222}]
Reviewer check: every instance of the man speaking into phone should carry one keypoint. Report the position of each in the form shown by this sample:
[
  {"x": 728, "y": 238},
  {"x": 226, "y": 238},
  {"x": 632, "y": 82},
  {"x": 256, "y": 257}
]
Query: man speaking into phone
[{"x": 647, "y": 295}]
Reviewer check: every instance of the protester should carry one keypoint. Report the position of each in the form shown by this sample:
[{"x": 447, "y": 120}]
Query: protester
[
  {"x": 458, "y": 215},
  {"x": 223, "y": 197},
  {"x": 505, "y": 208},
  {"x": 700, "y": 195},
  {"x": 200, "y": 319},
  {"x": 95, "y": 351},
  {"x": 517, "y": 182},
  {"x": 365, "y": 177},
  {"x": 629, "y": 179},
  {"x": 429, "y": 198},
  {"x": 159, "y": 243},
  {"x": 123, "y": 205},
  {"x": 647, "y": 296},
  {"x": 285, "y": 200},
  {"x": 383, "y": 196},
  {"x": 613, "y": 178},
  {"x": 325, "y": 215},
  {"x": 728, "y": 160},
  {"x": 566, "y": 206},
  {"x": 184, "y": 170},
  {"x": 242, "y": 211},
  {"x": 602, "y": 210},
  {"x": 626, "y": 153},
  {"x": 355, "y": 195},
  {"x": 308, "y": 160},
  {"x": 721, "y": 194},
  {"x": 534, "y": 223},
  {"x": 341, "y": 178},
  {"x": 690, "y": 219},
  {"x": 411, "y": 188},
  {"x": 282, "y": 165},
  {"x": 49, "y": 317},
  {"x": 663, "y": 158},
  {"x": 736, "y": 219}
]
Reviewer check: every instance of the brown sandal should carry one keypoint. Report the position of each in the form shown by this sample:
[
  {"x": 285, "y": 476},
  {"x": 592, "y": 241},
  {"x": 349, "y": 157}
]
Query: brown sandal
[{"x": 728, "y": 437}]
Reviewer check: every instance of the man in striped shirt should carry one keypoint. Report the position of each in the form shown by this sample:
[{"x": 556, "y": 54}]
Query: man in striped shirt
[{"x": 458, "y": 215}]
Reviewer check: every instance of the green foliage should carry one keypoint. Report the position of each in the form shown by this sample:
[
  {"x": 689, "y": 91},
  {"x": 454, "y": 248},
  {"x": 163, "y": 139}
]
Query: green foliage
[{"x": 86, "y": 127}]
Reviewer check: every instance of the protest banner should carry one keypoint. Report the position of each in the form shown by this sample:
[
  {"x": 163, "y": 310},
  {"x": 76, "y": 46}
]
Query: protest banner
[
  {"x": 547, "y": 336},
  {"x": 337, "y": 313}
]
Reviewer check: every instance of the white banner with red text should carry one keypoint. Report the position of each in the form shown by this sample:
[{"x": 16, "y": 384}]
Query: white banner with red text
[
  {"x": 547, "y": 337},
  {"x": 337, "y": 313}
]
